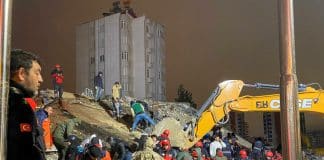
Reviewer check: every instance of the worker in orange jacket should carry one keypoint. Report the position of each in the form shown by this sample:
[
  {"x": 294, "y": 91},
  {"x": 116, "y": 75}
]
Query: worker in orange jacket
[{"x": 44, "y": 121}]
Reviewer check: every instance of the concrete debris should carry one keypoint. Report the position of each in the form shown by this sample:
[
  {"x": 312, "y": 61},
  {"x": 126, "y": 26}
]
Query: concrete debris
[
  {"x": 98, "y": 118},
  {"x": 178, "y": 138},
  {"x": 240, "y": 140},
  {"x": 158, "y": 110}
]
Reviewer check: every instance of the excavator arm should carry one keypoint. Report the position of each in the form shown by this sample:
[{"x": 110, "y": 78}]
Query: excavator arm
[
  {"x": 226, "y": 98},
  {"x": 216, "y": 108}
]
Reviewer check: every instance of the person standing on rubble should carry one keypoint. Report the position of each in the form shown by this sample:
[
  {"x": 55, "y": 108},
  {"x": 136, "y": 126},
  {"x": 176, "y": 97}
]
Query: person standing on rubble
[
  {"x": 61, "y": 133},
  {"x": 116, "y": 98},
  {"x": 138, "y": 112},
  {"x": 57, "y": 76},
  {"x": 98, "y": 83},
  {"x": 116, "y": 91},
  {"x": 24, "y": 135}
]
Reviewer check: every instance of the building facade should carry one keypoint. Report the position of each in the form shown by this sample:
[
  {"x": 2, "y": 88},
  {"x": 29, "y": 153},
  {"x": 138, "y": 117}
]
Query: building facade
[{"x": 126, "y": 49}]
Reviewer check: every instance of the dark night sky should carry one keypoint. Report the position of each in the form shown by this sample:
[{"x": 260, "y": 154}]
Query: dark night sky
[{"x": 207, "y": 41}]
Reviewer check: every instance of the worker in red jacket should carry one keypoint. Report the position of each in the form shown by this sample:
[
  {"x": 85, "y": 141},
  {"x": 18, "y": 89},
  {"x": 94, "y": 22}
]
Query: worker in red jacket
[{"x": 57, "y": 79}]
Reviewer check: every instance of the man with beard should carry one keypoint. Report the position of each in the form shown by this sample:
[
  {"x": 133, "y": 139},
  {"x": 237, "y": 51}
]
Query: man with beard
[{"x": 24, "y": 136}]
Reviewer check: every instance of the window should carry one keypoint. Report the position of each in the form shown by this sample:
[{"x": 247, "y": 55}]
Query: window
[
  {"x": 147, "y": 73},
  {"x": 124, "y": 55},
  {"x": 102, "y": 58},
  {"x": 92, "y": 60},
  {"x": 122, "y": 24}
]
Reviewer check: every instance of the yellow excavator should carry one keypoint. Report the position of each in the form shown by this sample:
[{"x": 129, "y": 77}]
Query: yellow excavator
[{"x": 226, "y": 98}]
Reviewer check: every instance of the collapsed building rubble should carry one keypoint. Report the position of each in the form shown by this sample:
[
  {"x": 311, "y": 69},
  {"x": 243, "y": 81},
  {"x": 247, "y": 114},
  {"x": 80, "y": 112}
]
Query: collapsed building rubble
[{"x": 97, "y": 117}]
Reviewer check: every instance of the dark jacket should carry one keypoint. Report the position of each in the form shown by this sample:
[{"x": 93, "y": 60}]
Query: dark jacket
[
  {"x": 41, "y": 115},
  {"x": 24, "y": 135},
  {"x": 98, "y": 81},
  {"x": 118, "y": 147}
]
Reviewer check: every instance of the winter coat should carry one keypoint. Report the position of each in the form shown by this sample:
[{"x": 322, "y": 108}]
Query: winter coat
[
  {"x": 24, "y": 135},
  {"x": 57, "y": 76},
  {"x": 116, "y": 91},
  {"x": 45, "y": 123},
  {"x": 64, "y": 129},
  {"x": 184, "y": 155},
  {"x": 98, "y": 82}
]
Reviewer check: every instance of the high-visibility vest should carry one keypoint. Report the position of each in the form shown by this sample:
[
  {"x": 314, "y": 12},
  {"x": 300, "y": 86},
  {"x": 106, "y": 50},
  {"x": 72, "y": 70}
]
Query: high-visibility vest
[
  {"x": 107, "y": 156},
  {"x": 48, "y": 139}
]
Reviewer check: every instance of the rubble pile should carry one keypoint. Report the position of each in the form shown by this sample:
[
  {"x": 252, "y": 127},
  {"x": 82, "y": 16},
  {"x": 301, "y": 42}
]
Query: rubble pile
[
  {"x": 158, "y": 110},
  {"x": 97, "y": 117},
  {"x": 179, "y": 111}
]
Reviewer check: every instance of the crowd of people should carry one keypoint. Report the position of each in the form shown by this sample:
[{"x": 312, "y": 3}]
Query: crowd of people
[
  {"x": 29, "y": 134},
  {"x": 153, "y": 147}
]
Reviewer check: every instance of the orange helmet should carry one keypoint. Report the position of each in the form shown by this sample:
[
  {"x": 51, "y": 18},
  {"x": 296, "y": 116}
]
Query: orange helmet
[
  {"x": 57, "y": 66},
  {"x": 243, "y": 153},
  {"x": 166, "y": 132},
  {"x": 199, "y": 144},
  {"x": 269, "y": 154}
]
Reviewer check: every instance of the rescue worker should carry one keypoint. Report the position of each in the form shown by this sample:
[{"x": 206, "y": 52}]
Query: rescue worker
[
  {"x": 228, "y": 150},
  {"x": 116, "y": 91},
  {"x": 217, "y": 143},
  {"x": 147, "y": 153},
  {"x": 57, "y": 80},
  {"x": 138, "y": 112},
  {"x": 243, "y": 155},
  {"x": 277, "y": 155},
  {"x": 98, "y": 83},
  {"x": 118, "y": 148},
  {"x": 184, "y": 155},
  {"x": 268, "y": 155},
  {"x": 61, "y": 133},
  {"x": 91, "y": 140},
  {"x": 44, "y": 121},
  {"x": 206, "y": 143},
  {"x": 92, "y": 153},
  {"x": 194, "y": 155},
  {"x": 166, "y": 150},
  {"x": 73, "y": 149},
  {"x": 220, "y": 155},
  {"x": 197, "y": 149},
  {"x": 257, "y": 149},
  {"x": 24, "y": 135},
  {"x": 165, "y": 135},
  {"x": 106, "y": 153}
]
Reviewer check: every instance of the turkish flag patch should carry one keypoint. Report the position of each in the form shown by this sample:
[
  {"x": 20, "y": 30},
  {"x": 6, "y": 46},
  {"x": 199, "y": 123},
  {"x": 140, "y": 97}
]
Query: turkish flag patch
[{"x": 25, "y": 127}]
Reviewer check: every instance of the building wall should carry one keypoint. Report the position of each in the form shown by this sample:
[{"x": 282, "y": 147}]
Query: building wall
[
  {"x": 84, "y": 46},
  {"x": 130, "y": 51},
  {"x": 112, "y": 51},
  {"x": 126, "y": 53},
  {"x": 256, "y": 125},
  {"x": 160, "y": 62},
  {"x": 138, "y": 57}
]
